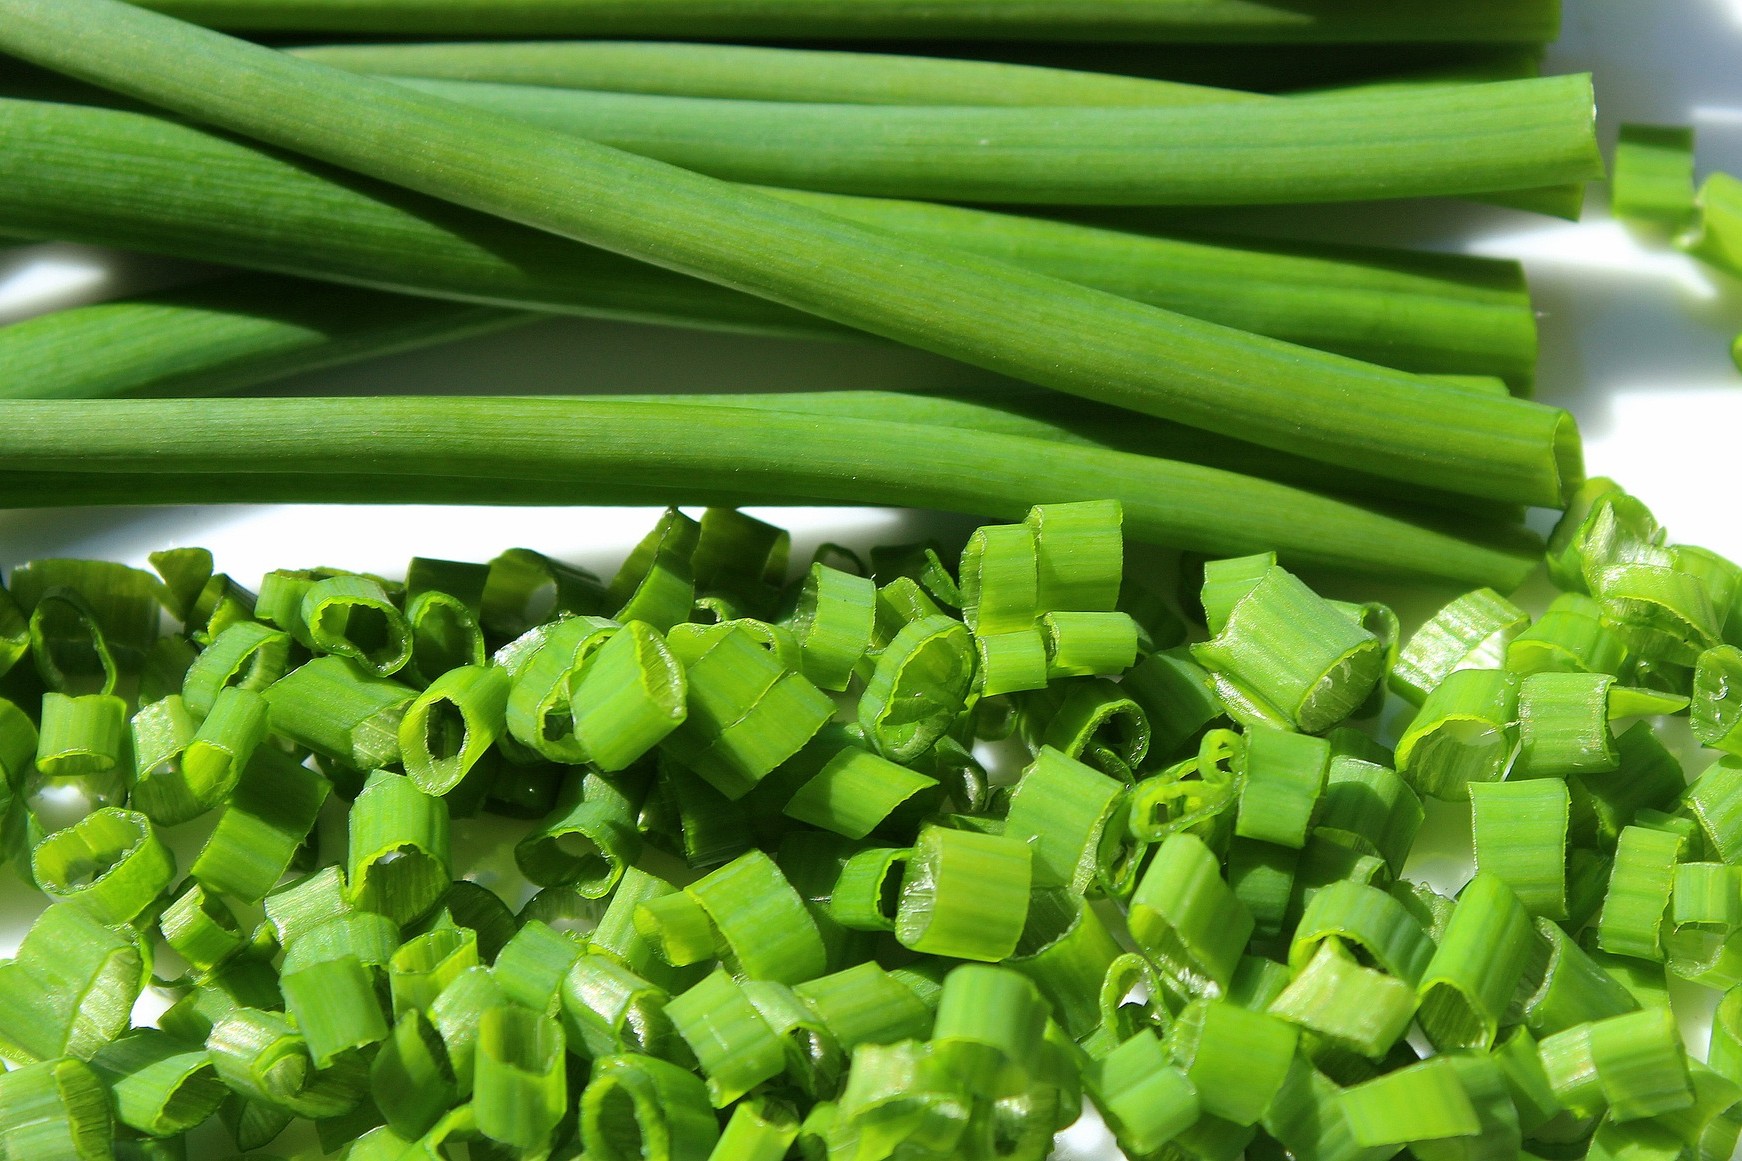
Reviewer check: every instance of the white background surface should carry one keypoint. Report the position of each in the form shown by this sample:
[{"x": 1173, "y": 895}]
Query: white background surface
[{"x": 1636, "y": 342}]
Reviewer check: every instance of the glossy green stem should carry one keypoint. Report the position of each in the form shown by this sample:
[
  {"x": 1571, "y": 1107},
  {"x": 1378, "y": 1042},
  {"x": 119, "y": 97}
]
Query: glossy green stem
[
  {"x": 614, "y": 451},
  {"x": 1050, "y": 332}
]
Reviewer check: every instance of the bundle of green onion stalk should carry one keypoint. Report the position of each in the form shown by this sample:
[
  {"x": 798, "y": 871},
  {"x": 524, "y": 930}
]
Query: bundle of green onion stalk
[{"x": 771, "y": 896}]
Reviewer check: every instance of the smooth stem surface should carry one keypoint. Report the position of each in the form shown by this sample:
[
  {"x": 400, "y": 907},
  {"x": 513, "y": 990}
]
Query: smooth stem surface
[
  {"x": 1355, "y": 146},
  {"x": 592, "y": 451},
  {"x": 1050, "y": 332},
  {"x": 1333, "y": 21},
  {"x": 749, "y": 72},
  {"x": 77, "y": 173}
]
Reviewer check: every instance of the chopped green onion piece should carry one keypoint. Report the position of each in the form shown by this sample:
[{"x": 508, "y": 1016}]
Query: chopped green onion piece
[
  {"x": 1663, "y": 614},
  {"x": 588, "y": 840},
  {"x": 1466, "y": 732},
  {"x": 1000, "y": 579},
  {"x": 1072, "y": 818},
  {"x": 655, "y": 584},
  {"x": 1079, "y": 554},
  {"x": 260, "y": 1056},
  {"x": 1424, "y": 1102},
  {"x": 1236, "y": 1058},
  {"x": 520, "y": 1082},
  {"x": 1146, "y": 1100},
  {"x": 733, "y": 1044},
  {"x": 423, "y": 966},
  {"x": 55, "y": 1109},
  {"x": 1715, "y": 801},
  {"x": 834, "y": 622},
  {"x": 161, "y": 732},
  {"x": 1563, "y": 725},
  {"x": 351, "y": 616},
  {"x": 1602, "y": 526},
  {"x": 1648, "y": 776},
  {"x": 606, "y": 1009},
  {"x": 918, "y": 688},
  {"x": 71, "y": 988},
  {"x": 110, "y": 863},
  {"x": 1725, "y": 1052},
  {"x": 1262, "y": 875},
  {"x": 1640, "y": 883},
  {"x": 740, "y": 557},
  {"x": 1011, "y": 662},
  {"x": 1369, "y": 809},
  {"x": 201, "y": 928},
  {"x": 450, "y": 726},
  {"x": 1285, "y": 775},
  {"x": 398, "y": 862},
  {"x": 456, "y": 1014},
  {"x": 1640, "y": 1064},
  {"x": 1717, "y": 698},
  {"x": 1569, "y": 638},
  {"x": 1707, "y": 896},
  {"x": 364, "y": 936},
  {"x": 1481, "y": 958},
  {"x": 1367, "y": 918},
  {"x": 1336, "y": 998},
  {"x": 1092, "y": 721},
  {"x": 213, "y": 761},
  {"x": 524, "y": 589},
  {"x": 760, "y": 920},
  {"x": 1653, "y": 175},
  {"x": 81, "y": 736},
  {"x": 638, "y": 1108},
  {"x": 758, "y": 1130},
  {"x": 246, "y": 654},
  {"x": 1187, "y": 918},
  {"x": 272, "y": 811},
  {"x": 531, "y": 967},
  {"x": 337, "y": 709},
  {"x": 1067, "y": 950},
  {"x": 1087, "y": 644},
  {"x": 1227, "y": 582},
  {"x": 1520, "y": 833},
  {"x": 628, "y": 697},
  {"x": 856, "y": 792},
  {"x": 1573, "y": 989},
  {"x": 964, "y": 895},
  {"x": 335, "y": 1006},
  {"x": 159, "y": 1085},
  {"x": 866, "y": 1005},
  {"x": 1295, "y": 653},
  {"x": 988, "y": 1029},
  {"x": 866, "y": 894},
  {"x": 410, "y": 1080},
  {"x": 1177, "y": 697},
  {"x": 1472, "y": 632},
  {"x": 540, "y": 709}
]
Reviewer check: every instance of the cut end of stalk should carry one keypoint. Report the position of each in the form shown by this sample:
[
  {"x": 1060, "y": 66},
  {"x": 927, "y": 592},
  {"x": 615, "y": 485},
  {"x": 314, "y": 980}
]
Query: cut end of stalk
[{"x": 1569, "y": 457}]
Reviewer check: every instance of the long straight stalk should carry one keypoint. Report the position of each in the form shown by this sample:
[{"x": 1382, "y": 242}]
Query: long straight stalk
[
  {"x": 755, "y": 73},
  {"x": 248, "y": 330},
  {"x": 1308, "y": 21},
  {"x": 1050, "y": 332},
  {"x": 83, "y": 174},
  {"x": 1429, "y": 142},
  {"x": 592, "y": 451}
]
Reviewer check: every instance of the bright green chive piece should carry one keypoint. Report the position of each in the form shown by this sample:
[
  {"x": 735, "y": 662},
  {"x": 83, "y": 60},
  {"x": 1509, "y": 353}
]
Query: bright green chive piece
[
  {"x": 1563, "y": 725},
  {"x": 761, "y": 921},
  {"x": 918, "y": 688},
  {"x": 110, "y": 864},
  {"x": 398, "y": 862},
  {"x": 587, "y": 841},
  {"x": 740, "y": 557},
  {"x": 520, "y": 1083},
  {"x": 222, "y": 747},
  {"x": 352, "y": 616},
  {"x": 456, "y": 1015},
  {"x": 449, "y": 727},
  {"x": 411, "y": 1080},
  {"x": 1336, "y": 998},
  {"x": 1424, "y": 1102},
  {"x": 1714, "y": 799},
  {"x": 260, "y": 830},
  {"x": 1146, "y": 1100},
  {"x": 1088, "y": 644},
  {"x": 1640, "y": 884},
  {"x": 1072, "y": 818},
  {"x": 200, "y": 927},
  {"x": 1000, "y": 579},
  {"x": 1716, "y": 715},
  {"x": 1356, "y": 915},
  {"x": 1706, "y": 896},
  {"x": 1653, "y": 175},
  {"x": 678, "y": 927},
  {"x": 1011, "y": 662},
  {"x": 1633, "y": 1064},
  {"x": 1188, "y": 918},
  {"x": 80, "y": 736},
  {"x": 1237, "y": 1059},
  {"x": 866, "y": 1005},
  {"x": 607, "y": 1008},
  {"x": 758, "y": 1130},
  {"x": 866, "y": 893},
  {"x": 1481, "y": 957},
  {"x": 58, "y": 1109},
  {"x": 1648, "y": 777},
  {"x": 988, "y": 1029},
  {"x": 92, "y": 623},
  {"x": 159, "y": 1085},
  {"x": 1285, "y": 776},
  {"x": 260, "y": 1055},
  {"x": 423, "y": 966},
  {"x": 1295, "y": 653},
  {"x": 1177, "y": 698},
  {"x": 1079, "y": 555},
  {"x": 964, "y": 895},
  {"x": 639, "y": 1108},
  {"x": 161, "y": 733},
  {"x": 337, "y": 709},
  {"x": 630, "y": 694},
  {"x": 247, "y": 654},
  {"x": 856, "y": 792},
  {"x": 655, "y": 583},
  {"x": 299, "y": 907},
  {"x": 524, "y": 590},
  {"x": 1094, "y": 722},
  {"x": 1725, "y": 1052},
  {"x": 733, "y": 1044},
  {"x": 540, "y": 712},
  {"x": 1602, "y": 527},
  {"x": 1262, "y": 875},
  {"x": 363, "y": 936},
  {"x": 1472, "y": 632},
  {"x": 1521, "y": 839},
  {"x": 1466, "y": 732},
  {"x": 1226, "y": 582},
  {"x": 1663, "y": 614},
  {"x": 834, "y": 623},
  {"x": 1067, "y": 950},
  {"x": 1369, "y": 809},
  {"x": 531, "y": 966},
  {"x": 71, "y": 988},
  {"x": 335, "y": 1006},
  {"x": 1569, "y": 638}
]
